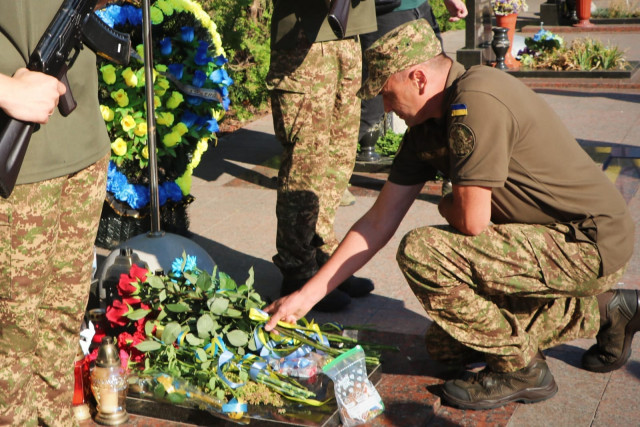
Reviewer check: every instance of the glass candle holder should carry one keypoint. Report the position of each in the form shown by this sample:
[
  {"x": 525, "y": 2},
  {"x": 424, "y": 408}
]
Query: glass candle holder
[{"x": 109, "y": 385}]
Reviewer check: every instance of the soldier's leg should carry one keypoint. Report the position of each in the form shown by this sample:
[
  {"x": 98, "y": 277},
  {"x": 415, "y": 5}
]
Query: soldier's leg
[
  {"x": 65, "y": 295},
  {"x": 302, "y": 120},
  {"x": 340, "y": 153},
  {"x": 456, "y": 277},
  {"x": 28, "y": 221}
]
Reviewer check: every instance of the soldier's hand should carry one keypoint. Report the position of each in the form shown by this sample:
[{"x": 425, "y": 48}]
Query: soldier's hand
[
  {"x": 290, "y": 309},
  {"x": 457, "y": 9},
  {"x": 30, "y": 96}
]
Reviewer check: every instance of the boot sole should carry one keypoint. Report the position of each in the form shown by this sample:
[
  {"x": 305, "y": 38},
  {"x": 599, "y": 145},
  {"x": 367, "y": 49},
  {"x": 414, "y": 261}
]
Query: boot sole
[
  {"x": 629, "y": 331},
  {"x": 528, "y": 395}
]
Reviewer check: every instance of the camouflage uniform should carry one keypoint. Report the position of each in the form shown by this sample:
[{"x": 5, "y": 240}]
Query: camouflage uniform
[
  {"x": 46, "y": 253},
  {"x": 316, "y": 115},
  {"x": 47, "y": 232},
  {"x": 561, "y": 231}
]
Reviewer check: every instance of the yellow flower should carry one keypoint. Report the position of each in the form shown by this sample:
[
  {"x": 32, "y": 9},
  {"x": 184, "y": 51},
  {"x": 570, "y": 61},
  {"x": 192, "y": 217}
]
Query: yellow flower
[
  {"x": 180, "y": 128},
  {"x": 121, "y": 97},
  {"x": 217, "y": 114},
  {"x": 165, "y": 6},
  {"x": 184, "y": 182},
  {"x": 130, "y": 77},
  {"x": 119, "y": 147},
  {"x": 157, "y": 103},
  {"x": 156, "y": 15},
  {"x": 108, "y": 74},
  {"x": 141, "y": 129},
  {"x": 171, "y": 139},
  {"x": 140, "y": 50},
  {"x": 165, "y": 118},
  {"x": 175, "y": 100},
  {"x": 162, "y": 84},
  {"x": 107, "y": 113},
  {"x": 145, "y": 152},
  {"x": 128, "y": 123}
]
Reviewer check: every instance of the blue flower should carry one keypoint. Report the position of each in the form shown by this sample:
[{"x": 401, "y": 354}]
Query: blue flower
[
  {"x": 133, "y": 15},
  {"x": 202, "y": 54},
  {"x": 176, "y": 266},
  {"x": 165, "y": 46},
  {"x": 221, "y": 77},
  {"x": 212, "y": 125},
  {"x": 199, "y": 77},
  {"x": 176, "y": 70},
  {"x": 191, "y": 263},
  {"x": 188, "y": 118},
  {"x": 220, "y": 60},
  {"x": 186, "y": 33},
  {"x": 173, "y": 191}
]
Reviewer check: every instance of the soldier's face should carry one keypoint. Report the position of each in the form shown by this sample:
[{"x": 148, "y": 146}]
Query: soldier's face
[{"x": 401, "y": 95}]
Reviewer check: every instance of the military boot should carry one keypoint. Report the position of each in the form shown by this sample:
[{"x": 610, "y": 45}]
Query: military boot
[
  {"x": 488, "y": 389},
  {"x": 621, "y": 322}
]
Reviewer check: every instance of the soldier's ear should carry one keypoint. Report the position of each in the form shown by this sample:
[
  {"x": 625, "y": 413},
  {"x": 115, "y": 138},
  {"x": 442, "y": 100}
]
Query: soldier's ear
[{"x": 419, "y": 79}]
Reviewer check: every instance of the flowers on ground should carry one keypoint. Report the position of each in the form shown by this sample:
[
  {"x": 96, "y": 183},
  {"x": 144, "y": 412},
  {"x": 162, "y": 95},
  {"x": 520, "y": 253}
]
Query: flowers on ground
[
  {"x": 191, "y": 95},
  {"x": 508, "y": 7},
  {"x": 205, "y": 332}
]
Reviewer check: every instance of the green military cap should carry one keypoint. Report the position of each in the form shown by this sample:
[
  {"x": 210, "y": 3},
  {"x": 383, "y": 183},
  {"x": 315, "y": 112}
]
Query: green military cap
[{"x": 409, "y": 44}]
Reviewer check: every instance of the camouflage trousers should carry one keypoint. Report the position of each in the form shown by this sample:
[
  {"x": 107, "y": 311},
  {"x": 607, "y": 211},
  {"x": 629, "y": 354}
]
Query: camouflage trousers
[
  {"x": 504, "y": 294},
  {"x": 316, "y": 115},
  {"x": 47, "y": 235}
]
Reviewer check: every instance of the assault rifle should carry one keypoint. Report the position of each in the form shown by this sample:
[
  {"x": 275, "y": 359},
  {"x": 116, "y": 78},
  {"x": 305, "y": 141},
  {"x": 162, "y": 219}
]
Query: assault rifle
[{"x": 73, "y": 26}]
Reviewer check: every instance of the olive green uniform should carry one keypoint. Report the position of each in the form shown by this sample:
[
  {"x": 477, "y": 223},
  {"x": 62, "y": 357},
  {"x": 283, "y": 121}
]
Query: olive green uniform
[
  {"x": 47, "y": 229},
  {"x": 314, "y": 79},
  {"x": 561, "y": 232}
]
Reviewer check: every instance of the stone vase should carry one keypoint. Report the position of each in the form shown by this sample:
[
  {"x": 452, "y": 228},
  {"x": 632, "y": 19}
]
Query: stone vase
[
  {"x": 500, "y": 45},
  {"x": 509, "y": 22}
]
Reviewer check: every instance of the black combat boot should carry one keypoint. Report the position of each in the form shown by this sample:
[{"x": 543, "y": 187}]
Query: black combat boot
[
  {"x": 487, "y": 389},
  {"x": 334, "y": 301},
  {"x": 621, "y": 321}
]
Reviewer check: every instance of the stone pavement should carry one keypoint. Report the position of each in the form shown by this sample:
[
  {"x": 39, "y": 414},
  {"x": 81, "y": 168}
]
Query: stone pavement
[{"x": 233, "y": 218}]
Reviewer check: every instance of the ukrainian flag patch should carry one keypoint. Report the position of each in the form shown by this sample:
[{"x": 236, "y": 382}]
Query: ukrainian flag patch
[{"x": 458, "y": 110}]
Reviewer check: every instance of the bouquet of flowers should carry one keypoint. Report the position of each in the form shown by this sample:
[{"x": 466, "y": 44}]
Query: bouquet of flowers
[
  {"x": 191, "y": 330},
  {"x": 541, "y": 42},
  {"x": 190, "y": 95},
  {"x": 508, "y": 7}
]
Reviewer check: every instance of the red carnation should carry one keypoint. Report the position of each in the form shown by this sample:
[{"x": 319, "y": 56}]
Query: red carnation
[{"x": 116, "y": 313}]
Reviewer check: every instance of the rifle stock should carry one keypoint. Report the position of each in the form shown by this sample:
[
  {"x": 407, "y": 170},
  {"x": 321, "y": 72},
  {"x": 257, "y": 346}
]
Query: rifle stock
[
  {"x": 339, "y": 16},
  {"x": 14, "y": 140}
]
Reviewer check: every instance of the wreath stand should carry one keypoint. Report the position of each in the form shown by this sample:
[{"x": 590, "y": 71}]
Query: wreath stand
[{"x": 156, "y": 248}]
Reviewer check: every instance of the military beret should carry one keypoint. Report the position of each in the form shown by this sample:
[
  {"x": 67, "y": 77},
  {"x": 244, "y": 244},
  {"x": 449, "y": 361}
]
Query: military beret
[{"x": 409, "y": 44}]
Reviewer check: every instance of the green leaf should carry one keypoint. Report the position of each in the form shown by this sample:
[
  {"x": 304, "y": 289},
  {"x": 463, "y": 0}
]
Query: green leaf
[
  {"x": 226, "y": 282},
  {"x": 205, "y": 325},
  {"x": 155, "y": 282},
  {"x": 232, "y": 312},
  {"x": 148, "y": 345},
  {"x": 138, "y": 314},
  {"x": 204, "y": 281},
  {"x": 250, "y": 280},
  {"x": 193, "y": 340},
  {"x": 148, "y": 328},
  {"x": 171, "y": 332},
  {"x": 201, "y": 355},
  {"x": 177, "y": 308},
  {"x": 238, "y": 338},
  {"x": 218, "y": 305},
  {"x": 190, "y": 277},
  {"x": 162, "y": 295},
  {"x": 159, "y": 390}
]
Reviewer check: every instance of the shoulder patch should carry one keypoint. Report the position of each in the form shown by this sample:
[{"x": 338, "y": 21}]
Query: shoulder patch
[
  {"x": 458, "y": 110},
  {"x": 461, "y": 139}
]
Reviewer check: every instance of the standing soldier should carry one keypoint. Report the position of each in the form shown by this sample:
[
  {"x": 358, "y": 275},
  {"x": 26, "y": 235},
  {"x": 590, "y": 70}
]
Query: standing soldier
[{"x": 314, "y": 78}]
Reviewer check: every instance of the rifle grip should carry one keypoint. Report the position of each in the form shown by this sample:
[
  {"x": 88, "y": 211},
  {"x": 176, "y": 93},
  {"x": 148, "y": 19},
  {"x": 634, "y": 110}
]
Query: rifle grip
[{"x": 67, "y": 102}]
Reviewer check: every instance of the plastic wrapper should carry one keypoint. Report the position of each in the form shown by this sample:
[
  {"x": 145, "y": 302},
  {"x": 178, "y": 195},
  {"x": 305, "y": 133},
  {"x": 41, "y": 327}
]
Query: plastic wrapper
[
  {"x": 306, "y": 366},
  {"x": 357, "y": 398}
]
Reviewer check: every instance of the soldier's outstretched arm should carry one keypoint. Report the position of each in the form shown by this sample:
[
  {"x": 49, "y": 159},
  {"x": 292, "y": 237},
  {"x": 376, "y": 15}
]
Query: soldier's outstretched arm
[{"x": 367, "y": 236}]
